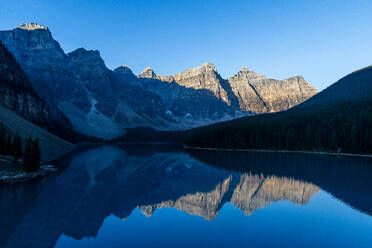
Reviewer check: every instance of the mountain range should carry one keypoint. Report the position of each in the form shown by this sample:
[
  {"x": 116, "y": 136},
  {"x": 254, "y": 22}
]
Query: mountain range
[
  {"x": 104, "y": 103},
  {"x": 116, "y": 180},
  {"x": 338, "y": 119},
  {"x": 123, "y": 182}
]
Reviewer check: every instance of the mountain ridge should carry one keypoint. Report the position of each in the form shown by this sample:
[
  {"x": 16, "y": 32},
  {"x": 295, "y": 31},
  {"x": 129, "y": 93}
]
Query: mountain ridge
[
  {"x": 338, "y": 119},
  {"x": 23, "y": 112},
  {"x": 104, "y": 103}
]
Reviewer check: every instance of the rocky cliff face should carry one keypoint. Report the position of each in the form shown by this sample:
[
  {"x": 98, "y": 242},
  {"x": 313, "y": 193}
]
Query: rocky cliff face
[
  {"x": 41, "y": 57},
  {"x": 254, "y": 192},
  {"x": 245, "y": 92},
  {"x": 107, "y": 181},
  {"x": 248, "y": 193},
  {"x": 193, "y": 98},
  {"x": 204, "y": 77},
  {"x": 103, "y": 103},
  {"x": 17, "y": 93},
  {"x": 259, "y": 94},
  {"x": 79, "y": 84}
]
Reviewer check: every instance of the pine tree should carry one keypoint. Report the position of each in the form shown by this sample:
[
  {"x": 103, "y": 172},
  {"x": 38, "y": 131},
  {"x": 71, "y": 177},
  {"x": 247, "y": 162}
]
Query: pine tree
[
  {"x": 17, "y": 148},
  {"x": 8, "y": 146},
  {"x": 2, "y": 138},
  {"x": 333, "y": 143},
  {"x": 27, "y": 156},
  {"x": 36, "y": 154}
]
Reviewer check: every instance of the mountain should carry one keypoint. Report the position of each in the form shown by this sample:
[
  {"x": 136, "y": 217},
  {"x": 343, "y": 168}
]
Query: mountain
[
  {"x": 260, "y": 94},
  {"x": 246, "y": 91},
  {"x": 194, "y": 98},
  {"x": 247, "y": 192},
  {"x": 21, "y": 108},
  {"x": 357, "y": 86},
  {"x": 17, "y": 93},
  {"x": 103, "y": 103},
  {"x": 338, "y": 119},
  {"x": 109, "y": 105},
  {"x": 79, "y": 84},
  {"x": 51, "y": 146},
  {"x": 106, "y": 181},
  {"x": 115, "y": 180},
  {"x": 201, "y": 95}
]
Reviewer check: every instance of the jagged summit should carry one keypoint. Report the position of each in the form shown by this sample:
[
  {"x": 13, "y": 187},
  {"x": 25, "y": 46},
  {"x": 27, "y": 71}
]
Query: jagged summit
[
  {"x": 123, "y": 69},
  {"x": 147, "y": 73},
  {"x": 208, "y": 65},
  {"x": 126, "y": 74},
  {"x": 260, "y": 94},
  {"x": 82, "y": 50},
  {"x": 102, "y": 103},
  {"x": 31, "y": 26},
  {"x": 86, "y": 56},
  {"x": 193, "y": 72},
  {"x": 245, "y": 68},
  {"x": 247, "y": 74}
]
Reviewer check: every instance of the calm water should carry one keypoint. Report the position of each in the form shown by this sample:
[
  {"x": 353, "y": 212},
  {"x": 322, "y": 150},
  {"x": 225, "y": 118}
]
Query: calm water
[{"x": 163, "y": 196}]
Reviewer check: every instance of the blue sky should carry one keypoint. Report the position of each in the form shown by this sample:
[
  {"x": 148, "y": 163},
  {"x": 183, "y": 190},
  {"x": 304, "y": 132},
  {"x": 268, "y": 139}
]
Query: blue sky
[{"x": 320, "y": 40}]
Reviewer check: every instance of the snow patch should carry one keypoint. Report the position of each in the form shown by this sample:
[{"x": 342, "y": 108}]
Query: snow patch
[{"x": 93, "y": 123}]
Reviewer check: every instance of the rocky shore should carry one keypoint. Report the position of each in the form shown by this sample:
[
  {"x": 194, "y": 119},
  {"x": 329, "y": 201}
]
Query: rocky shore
[{"x": 12, "y": 173}]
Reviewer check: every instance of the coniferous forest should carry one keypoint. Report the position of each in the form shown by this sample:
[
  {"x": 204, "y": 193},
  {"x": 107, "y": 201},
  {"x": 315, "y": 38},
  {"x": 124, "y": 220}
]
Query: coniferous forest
[
  {"x": 345, "y": 128},
  {"x": 27, "y": 154},
  {"x": 339, "y": 119}
]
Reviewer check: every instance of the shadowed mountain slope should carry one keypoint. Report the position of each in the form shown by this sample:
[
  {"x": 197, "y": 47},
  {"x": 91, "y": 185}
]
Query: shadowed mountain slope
[
  {"x": 104, "y": 103},
  {"x": 17, "y": 93},
  {"x": 21, "y": 106},
  {"x": 337, "y": 119},
  {"x": 51, "y": 146}
]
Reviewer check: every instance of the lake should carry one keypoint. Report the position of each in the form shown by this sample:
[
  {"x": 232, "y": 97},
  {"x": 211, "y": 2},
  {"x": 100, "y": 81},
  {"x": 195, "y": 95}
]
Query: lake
[{"x": 165, "y": 196}]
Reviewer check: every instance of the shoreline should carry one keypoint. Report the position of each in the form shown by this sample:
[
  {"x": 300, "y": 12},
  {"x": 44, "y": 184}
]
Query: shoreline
[
  {"x": 23, "y": 176},
  {"x": 279, "y": 151}
]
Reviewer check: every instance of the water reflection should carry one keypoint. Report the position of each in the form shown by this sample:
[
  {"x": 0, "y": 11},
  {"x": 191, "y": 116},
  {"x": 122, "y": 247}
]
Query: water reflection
[
  {"x": 347, "y": 178},
  {"x": 105, "y": 181}
]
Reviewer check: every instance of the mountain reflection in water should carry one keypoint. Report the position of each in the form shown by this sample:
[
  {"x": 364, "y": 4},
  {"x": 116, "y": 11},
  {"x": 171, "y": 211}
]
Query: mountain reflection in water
[{"x": 104, "y": 181}]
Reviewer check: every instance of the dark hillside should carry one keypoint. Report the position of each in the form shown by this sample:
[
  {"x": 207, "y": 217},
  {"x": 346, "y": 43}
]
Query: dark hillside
[{"x": 337, "y": 119}]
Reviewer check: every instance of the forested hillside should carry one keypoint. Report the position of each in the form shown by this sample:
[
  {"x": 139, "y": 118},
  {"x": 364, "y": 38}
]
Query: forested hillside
[{"x": 339, "y": 119}]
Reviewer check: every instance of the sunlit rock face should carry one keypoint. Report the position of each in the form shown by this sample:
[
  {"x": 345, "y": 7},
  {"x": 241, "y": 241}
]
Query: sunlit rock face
[
  {"x": 204, "y": 204},
  {"x": 249, "y": 193},
  {"x": 194, "y": 98},
  {"x": 147, "y": 73},
  {"x": 103, "y": 103},
  {"x": 109, "y": 181},
  {"x": 254, "y": 192},
  {"x": 31, "y": 26},
  {"x": 247, "y": 92},
  {"x": 260, "y": 94},
  {"x": 204, "y": 77}
]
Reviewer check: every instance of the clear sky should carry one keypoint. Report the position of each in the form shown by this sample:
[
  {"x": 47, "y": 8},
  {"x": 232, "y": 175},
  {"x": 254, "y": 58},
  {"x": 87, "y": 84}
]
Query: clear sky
[{"x": 320, "y": 40}]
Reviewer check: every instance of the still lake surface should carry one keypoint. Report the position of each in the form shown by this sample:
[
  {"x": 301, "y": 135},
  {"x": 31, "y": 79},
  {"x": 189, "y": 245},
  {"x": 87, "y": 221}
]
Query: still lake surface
[{"x": 164, "y": 196}]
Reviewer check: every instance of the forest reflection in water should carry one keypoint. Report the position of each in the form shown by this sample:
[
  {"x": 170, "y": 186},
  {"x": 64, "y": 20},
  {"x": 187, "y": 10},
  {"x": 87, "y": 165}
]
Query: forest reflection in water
[{"x": 100, "y": 182}]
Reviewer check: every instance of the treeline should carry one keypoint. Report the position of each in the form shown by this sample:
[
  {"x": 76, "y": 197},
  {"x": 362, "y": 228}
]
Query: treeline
[
  {"x": 345, "y": 127},
  {"x": 29, "y": 154}
]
